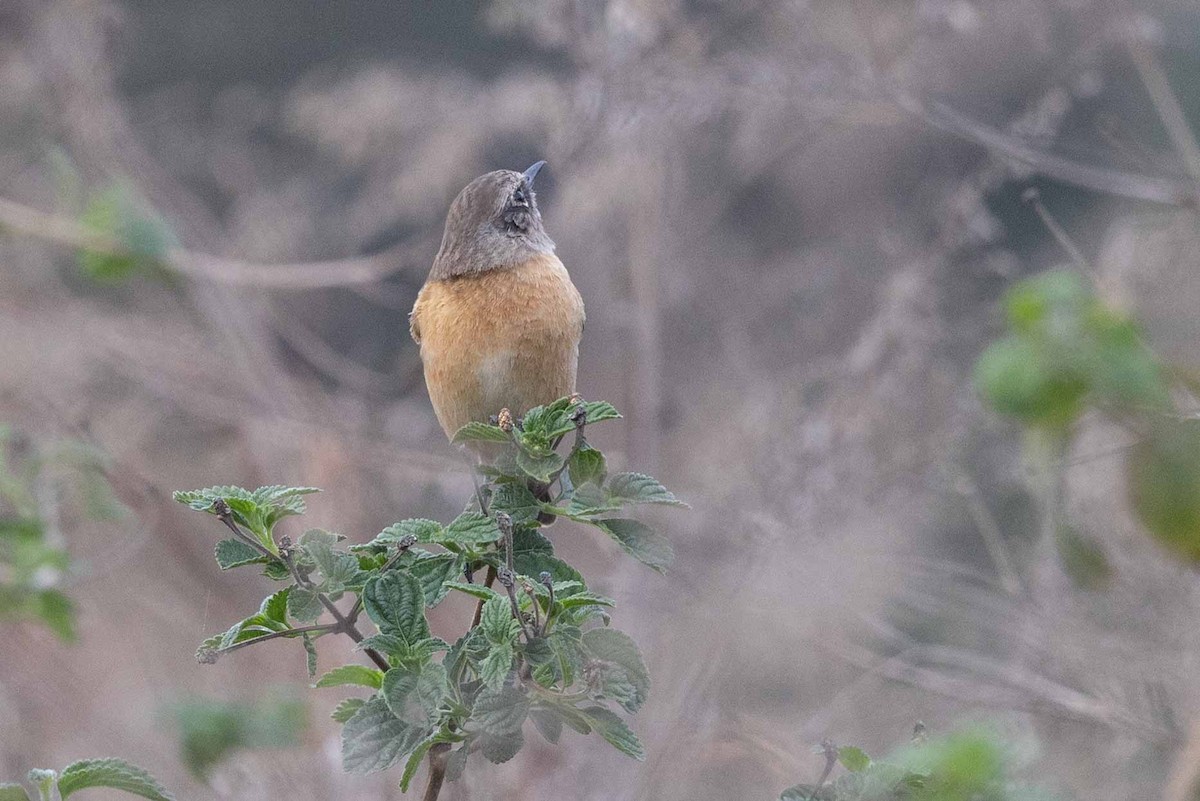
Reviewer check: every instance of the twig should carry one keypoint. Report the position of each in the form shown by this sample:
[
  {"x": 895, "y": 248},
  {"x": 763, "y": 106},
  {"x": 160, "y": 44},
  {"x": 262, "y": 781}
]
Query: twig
[
  {"x": 343, "y": 625},
  {"x": 439, "y": 754},
  {"x": 488, "y": 580},
  {"x": 830, "y": 751},
  {"x": 1167, "y": 105},
  {"x": 993, "y": 537},
  {"x": 1034, "y": 198},
  {"x": 1113, "y": 182},
  {"x": 321, "y": 627}
]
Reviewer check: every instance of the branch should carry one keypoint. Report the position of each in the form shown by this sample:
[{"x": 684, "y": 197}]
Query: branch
[
  {"x": 439, "y": 754},
  {"x": 1167, "y": 105},
  {"x": 1113, "y": 182},
  {"x": 343, "y": 625},
  {"x": 23, "y": 219},
  {"x": 324, "y": 628}
]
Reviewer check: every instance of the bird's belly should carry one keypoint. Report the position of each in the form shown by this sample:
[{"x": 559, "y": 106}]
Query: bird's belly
[{"x": 503, "y": 339}]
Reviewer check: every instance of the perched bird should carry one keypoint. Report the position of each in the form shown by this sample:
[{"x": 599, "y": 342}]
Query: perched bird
[{"x": 498, "y": 319}]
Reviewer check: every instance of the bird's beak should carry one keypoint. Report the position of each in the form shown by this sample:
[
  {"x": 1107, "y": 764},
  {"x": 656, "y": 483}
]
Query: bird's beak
[{"x": 532, "y": 172}]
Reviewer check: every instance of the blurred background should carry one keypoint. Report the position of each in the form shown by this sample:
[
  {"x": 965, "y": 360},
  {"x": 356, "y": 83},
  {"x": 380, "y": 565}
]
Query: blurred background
[{"x": 791, "y": 222}]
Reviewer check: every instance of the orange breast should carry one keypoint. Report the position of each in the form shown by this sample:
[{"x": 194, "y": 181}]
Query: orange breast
[{"x": 500, "y": 339}]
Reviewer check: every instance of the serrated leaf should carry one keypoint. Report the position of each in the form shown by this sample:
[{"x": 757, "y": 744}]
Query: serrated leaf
[
  {"x": 606, "y": 723},
  {"x": 274, "y": 606},
  {"x": 114, "y": 773},
  {"x": 500, "y": 710},
  {"x": 414, "y": 763},
  {"x": 624, "y": 667},
  {"x": 515, "y": 499},
  {"x": 303, "y": 604},
  {"x": 548, "y": 723},
  {"x": 599, "y": 411},
  {"x": 233, "y": 553},
  {"x": 476, "y": 590},
  {"x": 352, "y": 674},
  {"x": 480, "y": 432},
  {"x": 13, "y": 792},
  {"x": 587, "y": 465},
  {"x": 472, "y": 528},
  {"x": 374, "y": 739},
  {"x": 346, "y": 709},
  {"x": 499, "y": 748},
  {"x": 398, "y": 683},
  {"x": 639, "y": 541},
  {"x": 496, "y": 621},
  {"x": 640, "y": 488},
  {"x": 495, "y": 667},
  {"x": 424, "y": 530},
  {"x": 853, "y": 758},
  {"x": 539, "y": 466},
  {"x": 433, "y": 571},
  {"x": 395, "y": 602}
]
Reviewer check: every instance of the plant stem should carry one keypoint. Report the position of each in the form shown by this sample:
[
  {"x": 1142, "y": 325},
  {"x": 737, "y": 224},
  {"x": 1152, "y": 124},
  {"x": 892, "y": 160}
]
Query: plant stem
[
  {"x": 488, "y": 580},
  {"x": 322, "y": 627},
  {"x": 343, "y": 625},
  {"x": 439, "y": 754}
]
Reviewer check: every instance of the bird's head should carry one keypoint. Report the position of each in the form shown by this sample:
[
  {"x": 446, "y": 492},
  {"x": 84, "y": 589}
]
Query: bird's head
[{"x": 494, "y": 223}]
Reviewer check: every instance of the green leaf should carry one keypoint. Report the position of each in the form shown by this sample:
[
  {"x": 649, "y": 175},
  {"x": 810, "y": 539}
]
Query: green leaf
[
  {"x": 639, "y": 541},
  {"x": 13, "y": 792},
  {"x": 496, "y": 621},
  {"x": 853, "y": 759},
  {"x": 501, "y": 710},
  {"x": 495, "y": 667},
  {"x": 623, "y": 665},
  {"x": 539, "y": 466},
  {"x": 118, "y": 214},
  {"x": 472, "y": 528},
  {"x": 209, "y": 730},
  {"x": 424, "y": 530},
  {"x": 613, "y": 729},
  {"x": 352, "y": 674},
  {"x": 303, "y": 604},
  {"x": 395, "y": 601},
  {"x": 374, "y": 739},
  {"x": 480, "y": 432},
  {"x": 337, "y": 568},
  {"x": 548, "y": 722},
  {"x": 599, "y": 411},
  {"x": 433, "y": 571},
  {"x": 414, "y": 762},
  {"x": 640, "y": 488},
  {"x": 517, "y": 501},
  {"x": 1164, "y": 485},
  {"x": 499, "y": 748},
  {"x": 587, "y": 465},
  {"x": 1016, "y": 378},
  {"x": 347, "y": 709},
  {"x": 398, "y": 684},
  {"x": 274, "y": 606},
  {"x": 232, "y": 553},
  {"x": 476, "y": 590},
  {"x": 114, "y": 773}
]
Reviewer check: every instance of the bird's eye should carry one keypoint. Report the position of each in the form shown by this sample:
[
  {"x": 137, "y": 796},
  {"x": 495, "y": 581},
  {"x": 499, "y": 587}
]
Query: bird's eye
[{"x": 520, "y": 197}]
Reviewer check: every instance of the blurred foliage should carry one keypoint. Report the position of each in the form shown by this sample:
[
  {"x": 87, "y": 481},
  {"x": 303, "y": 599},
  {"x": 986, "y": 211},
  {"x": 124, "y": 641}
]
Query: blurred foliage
[
  {"x": 540, "y": 649},
  {"x": 142, "y": 239},
  {"x": 1065, "y": 353},
  {"x": 38, "y": 485},
  {"x": 112, "y": 773},
  {"x": 211, "y": 730},
  {"x": 974, "y": 764}
]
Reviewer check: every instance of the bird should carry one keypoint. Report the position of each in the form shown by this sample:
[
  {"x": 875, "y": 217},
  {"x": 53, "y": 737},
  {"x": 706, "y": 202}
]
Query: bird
[{"x": 498, "y": 320}]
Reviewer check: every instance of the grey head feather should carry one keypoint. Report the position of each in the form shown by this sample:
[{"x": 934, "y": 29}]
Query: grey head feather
[{"x": 493, "y": 224}]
